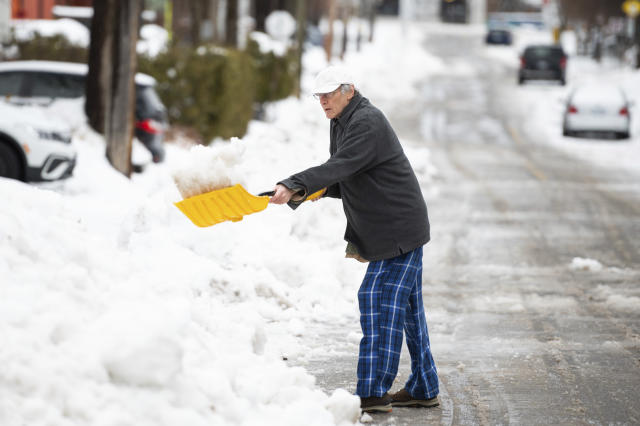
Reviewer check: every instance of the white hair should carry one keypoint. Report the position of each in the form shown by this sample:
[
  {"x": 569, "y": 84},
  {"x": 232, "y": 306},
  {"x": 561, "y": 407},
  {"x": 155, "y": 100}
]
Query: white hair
[{"x": 346, "y": 88}]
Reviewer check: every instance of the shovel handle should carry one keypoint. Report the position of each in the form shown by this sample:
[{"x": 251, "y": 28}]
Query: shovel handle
[{"x": 313, "y": 196}]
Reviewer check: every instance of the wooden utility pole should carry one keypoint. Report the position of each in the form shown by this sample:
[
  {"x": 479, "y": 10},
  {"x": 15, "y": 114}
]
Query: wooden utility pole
[
  {"x": 119, "y": 129},
  {"x": 346, "y": 12},
  {"x": 301, "y": 18},
  {"x": 231, "y": 27},
  {"x": 371, "y": 12},
  {"x": 110, "y": 83},
  {"x": 98, "y": 91}
]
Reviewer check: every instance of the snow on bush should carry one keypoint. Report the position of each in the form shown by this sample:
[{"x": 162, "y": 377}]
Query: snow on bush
[{"x": 72, "y": 30}]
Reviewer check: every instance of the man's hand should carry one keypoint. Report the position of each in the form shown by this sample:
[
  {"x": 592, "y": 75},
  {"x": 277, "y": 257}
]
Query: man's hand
[{"x": 282, "y": 195}]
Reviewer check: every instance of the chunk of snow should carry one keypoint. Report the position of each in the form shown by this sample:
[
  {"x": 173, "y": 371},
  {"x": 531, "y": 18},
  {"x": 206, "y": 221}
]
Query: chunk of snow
[
  {"x": 344, "y": 407},
  {"x": 579, "y": 263},
  {"x": 207, "y": 168}
]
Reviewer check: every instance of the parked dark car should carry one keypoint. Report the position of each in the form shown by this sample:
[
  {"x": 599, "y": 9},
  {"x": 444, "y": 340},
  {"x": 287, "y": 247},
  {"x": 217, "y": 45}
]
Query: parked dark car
[
  {"x": 50, "y": 79},
  {"x": 543, "y": 62},
  {"x": 499, "y": 36}
]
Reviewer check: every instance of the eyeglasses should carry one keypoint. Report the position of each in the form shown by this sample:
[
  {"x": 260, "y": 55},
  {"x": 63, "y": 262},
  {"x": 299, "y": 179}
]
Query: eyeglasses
[{"x": 326, "y": 95}]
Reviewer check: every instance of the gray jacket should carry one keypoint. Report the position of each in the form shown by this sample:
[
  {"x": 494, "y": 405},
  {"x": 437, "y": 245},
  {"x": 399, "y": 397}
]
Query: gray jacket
[{"x": 386, "y": 213}]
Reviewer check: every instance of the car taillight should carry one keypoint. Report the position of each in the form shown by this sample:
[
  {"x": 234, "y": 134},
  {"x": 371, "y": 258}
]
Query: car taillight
[
  {"x": 573, "y": 110},
  {"x": 624, "y": 111},
  {"x": 563, "y": 62},
  {"x": 150, "y": 126}
]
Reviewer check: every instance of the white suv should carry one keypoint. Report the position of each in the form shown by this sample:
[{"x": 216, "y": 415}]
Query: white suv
[{"x": 32, "y": 146}]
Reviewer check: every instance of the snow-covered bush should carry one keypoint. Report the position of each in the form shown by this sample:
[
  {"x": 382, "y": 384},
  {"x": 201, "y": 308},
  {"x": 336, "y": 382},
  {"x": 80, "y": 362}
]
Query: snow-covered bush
[
  {"x": 214, "y": 90},
  {"x": 276, "y": 74},
  {"x": 54, "y": 47}
]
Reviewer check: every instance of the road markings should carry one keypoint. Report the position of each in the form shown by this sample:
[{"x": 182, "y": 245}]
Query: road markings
[{"x": 531, "y": 168}]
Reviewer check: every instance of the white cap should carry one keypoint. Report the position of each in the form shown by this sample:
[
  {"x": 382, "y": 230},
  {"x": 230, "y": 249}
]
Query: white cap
[{"x": 331, "y": 78}]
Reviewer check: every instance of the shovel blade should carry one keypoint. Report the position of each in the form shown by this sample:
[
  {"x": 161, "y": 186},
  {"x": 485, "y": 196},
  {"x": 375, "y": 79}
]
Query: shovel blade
[{"x": 232, "y": 203}]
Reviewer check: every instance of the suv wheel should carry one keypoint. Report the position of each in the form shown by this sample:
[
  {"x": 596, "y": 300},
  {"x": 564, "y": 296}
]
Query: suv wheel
[{"x": 9, "y": 162}]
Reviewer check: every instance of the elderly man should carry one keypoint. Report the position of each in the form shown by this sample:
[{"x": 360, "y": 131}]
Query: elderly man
[{"x": 387, "y": 225}]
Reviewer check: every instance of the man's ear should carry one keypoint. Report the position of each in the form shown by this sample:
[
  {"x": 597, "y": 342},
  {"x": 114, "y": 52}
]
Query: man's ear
[{"x": 352, "y": 93}]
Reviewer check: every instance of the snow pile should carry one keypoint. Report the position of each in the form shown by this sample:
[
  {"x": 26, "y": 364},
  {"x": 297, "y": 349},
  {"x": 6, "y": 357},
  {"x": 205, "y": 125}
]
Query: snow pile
[
  {"x": 208, "y": 168},
  {"x": 128, "y": 314},
  {"x": 579, "y": 263}
]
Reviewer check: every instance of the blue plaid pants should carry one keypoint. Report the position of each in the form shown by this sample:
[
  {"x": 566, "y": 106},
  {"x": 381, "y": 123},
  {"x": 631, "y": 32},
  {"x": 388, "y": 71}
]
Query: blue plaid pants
[{"x": 390, "y": 299}]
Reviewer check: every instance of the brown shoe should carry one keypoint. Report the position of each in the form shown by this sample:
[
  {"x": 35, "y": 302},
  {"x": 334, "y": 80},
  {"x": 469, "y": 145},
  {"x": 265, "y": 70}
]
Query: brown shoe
[
  {"x": 404, "y": 399},
  {"x": 376, "y": 403}
]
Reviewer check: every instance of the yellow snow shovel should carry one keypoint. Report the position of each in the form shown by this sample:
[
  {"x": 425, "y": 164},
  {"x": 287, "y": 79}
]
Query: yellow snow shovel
[{"x": 231, "y": 203}]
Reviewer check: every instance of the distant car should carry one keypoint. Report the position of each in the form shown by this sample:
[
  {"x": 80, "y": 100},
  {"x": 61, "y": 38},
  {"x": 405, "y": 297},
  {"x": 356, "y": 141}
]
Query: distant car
[
  {"x": 499, "y": 36},
  {"x": 50, "y": 79},
  {"x": 543, "y": 62},
  {"x": 597, "y": 109},
  {"x": 33, "y": 147}
]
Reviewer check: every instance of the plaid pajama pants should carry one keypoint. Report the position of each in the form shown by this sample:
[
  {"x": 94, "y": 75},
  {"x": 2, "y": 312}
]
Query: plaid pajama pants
[{"x": 390, "y": 299}]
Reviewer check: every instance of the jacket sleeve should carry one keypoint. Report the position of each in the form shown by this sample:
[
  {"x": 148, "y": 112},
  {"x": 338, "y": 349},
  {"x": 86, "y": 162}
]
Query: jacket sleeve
[
  {"x": 333, "y": 191},
  {"x": 357, "y": 153}
]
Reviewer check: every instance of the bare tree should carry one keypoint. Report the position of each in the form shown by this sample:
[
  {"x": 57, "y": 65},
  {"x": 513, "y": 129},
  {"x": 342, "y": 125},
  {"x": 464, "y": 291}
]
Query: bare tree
[
  {"x": 110, "y": 82},
  {"x": 328, "y": 41},
  {"x": 301, "y": 23},
  {"x": 231, "y": 27}
]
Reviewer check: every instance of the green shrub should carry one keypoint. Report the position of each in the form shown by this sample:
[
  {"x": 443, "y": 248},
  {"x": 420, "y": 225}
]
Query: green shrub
[
  {"x": 209, "y": 89},
  {"x": 276, "y": 76},
  {"x": 49, "y": 48}
]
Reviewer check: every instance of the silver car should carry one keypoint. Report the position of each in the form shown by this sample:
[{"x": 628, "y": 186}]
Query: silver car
[{"x": 597, "y": 108}]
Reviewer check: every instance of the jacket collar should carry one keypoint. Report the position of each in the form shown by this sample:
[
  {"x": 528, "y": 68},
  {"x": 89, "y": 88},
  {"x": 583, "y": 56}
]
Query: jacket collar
[{"x": 348, "y": 110}]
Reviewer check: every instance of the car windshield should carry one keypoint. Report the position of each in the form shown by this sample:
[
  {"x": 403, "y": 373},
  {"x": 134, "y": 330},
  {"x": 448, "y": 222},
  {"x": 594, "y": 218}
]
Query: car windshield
[
  {"x": 54, "y": 85},
  {"x": 10, "y": 83},
  {"x": 543, "y": 52}
]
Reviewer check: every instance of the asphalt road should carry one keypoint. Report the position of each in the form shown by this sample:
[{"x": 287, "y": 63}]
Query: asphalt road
[{"x": 518, "y": 335}]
